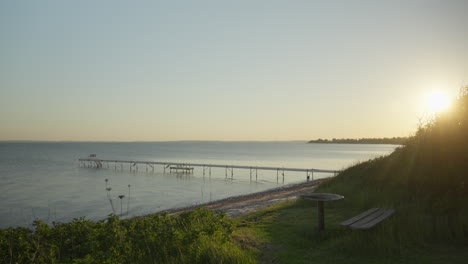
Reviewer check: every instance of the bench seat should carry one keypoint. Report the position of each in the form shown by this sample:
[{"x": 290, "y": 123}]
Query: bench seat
[{"x": 368, "y": 219}]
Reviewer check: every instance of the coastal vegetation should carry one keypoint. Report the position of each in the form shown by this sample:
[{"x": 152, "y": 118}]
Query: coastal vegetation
[
  {"x": 426, "y": 182},
  {"x": 198, "y": 236},
  {"x": 393, "y": 141}
]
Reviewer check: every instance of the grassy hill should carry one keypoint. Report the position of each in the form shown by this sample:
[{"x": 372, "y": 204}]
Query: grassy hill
[{"x": 425, "y": 181}]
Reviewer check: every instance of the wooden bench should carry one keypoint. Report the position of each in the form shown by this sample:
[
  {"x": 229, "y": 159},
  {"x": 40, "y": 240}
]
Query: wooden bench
[{"x": 368, "y": 219}]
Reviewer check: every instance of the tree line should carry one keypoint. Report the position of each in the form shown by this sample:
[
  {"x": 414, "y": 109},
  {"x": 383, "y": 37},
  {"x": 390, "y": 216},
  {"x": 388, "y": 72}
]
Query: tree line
[{"x": 393, "y": 140}]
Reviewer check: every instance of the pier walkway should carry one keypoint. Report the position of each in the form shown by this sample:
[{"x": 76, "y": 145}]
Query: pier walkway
[{"x": 189, "y": 167}]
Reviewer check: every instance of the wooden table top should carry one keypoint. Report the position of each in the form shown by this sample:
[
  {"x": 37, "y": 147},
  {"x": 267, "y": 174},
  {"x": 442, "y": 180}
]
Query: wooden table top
[{"x": 322, "y": 197}]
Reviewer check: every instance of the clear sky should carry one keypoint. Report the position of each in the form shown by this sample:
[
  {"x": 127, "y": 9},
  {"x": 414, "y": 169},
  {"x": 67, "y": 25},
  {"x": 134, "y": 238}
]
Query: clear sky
[{"x": 225, "y": 70}]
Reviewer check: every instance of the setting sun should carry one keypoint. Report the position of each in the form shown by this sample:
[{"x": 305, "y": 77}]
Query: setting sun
[{"x": 437, "y": 101}]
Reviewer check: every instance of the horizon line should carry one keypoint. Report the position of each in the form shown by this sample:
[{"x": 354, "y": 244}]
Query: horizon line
[{"x": 140, "y": 141}]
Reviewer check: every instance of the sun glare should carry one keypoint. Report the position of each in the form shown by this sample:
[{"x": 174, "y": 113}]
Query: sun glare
[{"x": 437, "y": 102}]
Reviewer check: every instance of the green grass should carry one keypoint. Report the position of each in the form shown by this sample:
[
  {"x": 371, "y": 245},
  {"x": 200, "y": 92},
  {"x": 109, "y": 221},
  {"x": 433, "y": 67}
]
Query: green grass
[{"x": 287, "y": 233}]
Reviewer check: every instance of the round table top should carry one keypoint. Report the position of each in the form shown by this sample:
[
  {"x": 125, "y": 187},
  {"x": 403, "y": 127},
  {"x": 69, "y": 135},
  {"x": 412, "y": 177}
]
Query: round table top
[{"x": 322, "y": 197}]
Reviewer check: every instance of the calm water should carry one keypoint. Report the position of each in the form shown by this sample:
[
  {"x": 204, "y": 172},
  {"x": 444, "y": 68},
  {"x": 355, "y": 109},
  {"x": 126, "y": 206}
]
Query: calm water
[{"x": 45, "y": 181}]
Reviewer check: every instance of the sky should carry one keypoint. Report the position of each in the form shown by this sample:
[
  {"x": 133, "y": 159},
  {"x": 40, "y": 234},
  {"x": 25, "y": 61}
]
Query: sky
[{"x": 225, "y": 70}]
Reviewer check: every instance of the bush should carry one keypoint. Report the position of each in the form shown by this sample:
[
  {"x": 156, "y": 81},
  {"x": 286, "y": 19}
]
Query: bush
[{"x": 199, "y": 236}]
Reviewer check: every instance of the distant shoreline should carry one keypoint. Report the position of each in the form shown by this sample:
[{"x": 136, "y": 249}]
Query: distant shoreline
[{"x": 390, "y": 141}]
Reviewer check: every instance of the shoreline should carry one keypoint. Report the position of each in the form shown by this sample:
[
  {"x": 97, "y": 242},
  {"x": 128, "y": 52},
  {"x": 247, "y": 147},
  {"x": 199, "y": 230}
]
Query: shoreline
[
  {"x": 239, "y": 205},
  {"x": 242, "y": 204}
]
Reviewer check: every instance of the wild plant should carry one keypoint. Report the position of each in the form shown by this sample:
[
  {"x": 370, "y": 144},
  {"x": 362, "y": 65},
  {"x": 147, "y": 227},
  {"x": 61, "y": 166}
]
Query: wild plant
[
  {"x": 121, "y": 197},
  {"x": 128, "y": 199},
  {"x": 108, "y": 190}
]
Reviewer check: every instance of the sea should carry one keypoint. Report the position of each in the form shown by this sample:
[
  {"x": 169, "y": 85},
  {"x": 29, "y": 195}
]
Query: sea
[{"x": 45, "y": 180}]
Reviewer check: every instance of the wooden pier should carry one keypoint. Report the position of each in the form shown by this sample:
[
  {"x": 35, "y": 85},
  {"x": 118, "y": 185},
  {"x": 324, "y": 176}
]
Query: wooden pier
[{"x": 189, "y": 167}]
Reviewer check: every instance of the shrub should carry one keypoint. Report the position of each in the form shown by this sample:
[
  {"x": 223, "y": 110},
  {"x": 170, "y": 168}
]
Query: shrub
[{"x": 192, "y": 237}]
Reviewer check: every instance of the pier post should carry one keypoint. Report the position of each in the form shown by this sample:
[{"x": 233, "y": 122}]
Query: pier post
[
  {"x": 225, "y": 175},
  {"x": 277, "y": 171},
  {"x": 210, "y": 177},
  {"x": 283, "y": 176},
  {"x": 310, "y": 176},
  {"x": 232, "y": 173},
  {"x": 256, "y": 174}
]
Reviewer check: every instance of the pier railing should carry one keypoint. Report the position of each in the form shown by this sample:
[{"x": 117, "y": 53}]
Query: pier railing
[{"x": 188, "y": 167}]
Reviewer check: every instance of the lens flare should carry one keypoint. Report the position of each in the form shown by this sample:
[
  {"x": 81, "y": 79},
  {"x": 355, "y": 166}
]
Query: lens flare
[{"x": 437, "y": 102}]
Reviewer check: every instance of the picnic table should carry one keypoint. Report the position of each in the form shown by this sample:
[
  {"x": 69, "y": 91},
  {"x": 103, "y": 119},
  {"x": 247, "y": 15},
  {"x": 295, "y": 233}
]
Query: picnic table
[{"x": 320, "y": 198}]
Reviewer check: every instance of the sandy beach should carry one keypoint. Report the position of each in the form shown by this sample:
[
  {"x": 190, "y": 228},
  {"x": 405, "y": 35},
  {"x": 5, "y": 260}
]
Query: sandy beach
[{"x": 241, "y": 205}]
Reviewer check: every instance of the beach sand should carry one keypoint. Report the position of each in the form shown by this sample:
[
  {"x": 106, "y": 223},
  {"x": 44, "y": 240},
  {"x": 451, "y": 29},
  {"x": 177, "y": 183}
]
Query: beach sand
[{"x": 241, "y": 205}]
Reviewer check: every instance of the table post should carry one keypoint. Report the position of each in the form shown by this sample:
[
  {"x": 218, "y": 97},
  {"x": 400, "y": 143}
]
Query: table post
[
  {"x": 320, "y": 214},
  {"x": 321, "y": 198}
]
